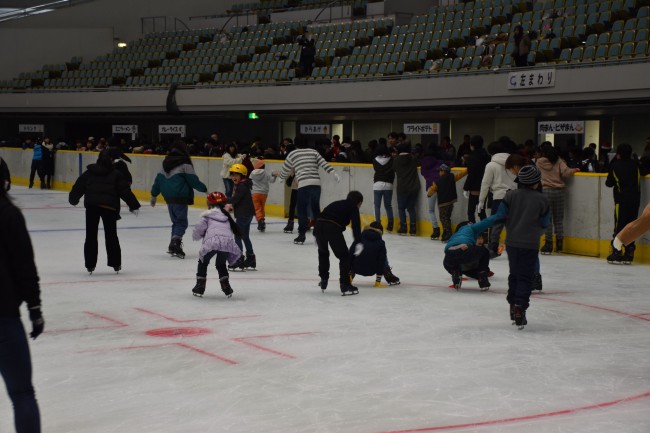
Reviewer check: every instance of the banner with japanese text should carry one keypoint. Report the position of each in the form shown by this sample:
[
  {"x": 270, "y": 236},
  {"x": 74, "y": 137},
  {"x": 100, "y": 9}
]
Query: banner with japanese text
[
  {"x": 421, "y": 128},
  {"x": 533, "y": 79},
  {"x": 561, "y": 127}
]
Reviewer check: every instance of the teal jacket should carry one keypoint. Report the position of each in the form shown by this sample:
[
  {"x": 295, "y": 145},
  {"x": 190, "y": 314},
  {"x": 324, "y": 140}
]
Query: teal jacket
[
  {"x": 177, "y": 180},
  {"x": 468, "y": 234}
]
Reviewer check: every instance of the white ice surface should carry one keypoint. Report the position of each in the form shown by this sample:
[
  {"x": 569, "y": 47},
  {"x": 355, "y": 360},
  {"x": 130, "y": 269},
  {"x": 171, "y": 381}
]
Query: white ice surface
[{"x": 281, "y": 357}]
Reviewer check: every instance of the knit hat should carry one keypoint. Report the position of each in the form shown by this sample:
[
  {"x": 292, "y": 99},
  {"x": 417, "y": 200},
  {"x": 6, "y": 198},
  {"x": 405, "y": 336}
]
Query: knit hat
[
  {"x": 529, "y": 175},
  {"x": 444, "y": 167}
]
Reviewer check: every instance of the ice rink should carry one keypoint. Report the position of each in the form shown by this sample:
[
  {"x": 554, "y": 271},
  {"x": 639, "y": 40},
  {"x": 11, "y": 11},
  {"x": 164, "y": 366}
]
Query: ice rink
[{"x": 136, "y": 352}]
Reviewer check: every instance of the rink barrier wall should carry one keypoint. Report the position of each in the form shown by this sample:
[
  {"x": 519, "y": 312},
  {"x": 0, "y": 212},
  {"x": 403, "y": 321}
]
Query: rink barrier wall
[{"x": 588, "y": 201}]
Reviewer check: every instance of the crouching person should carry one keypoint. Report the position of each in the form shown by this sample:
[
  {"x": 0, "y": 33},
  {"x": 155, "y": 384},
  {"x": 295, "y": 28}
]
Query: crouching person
[{"x": 369, "y": 256}]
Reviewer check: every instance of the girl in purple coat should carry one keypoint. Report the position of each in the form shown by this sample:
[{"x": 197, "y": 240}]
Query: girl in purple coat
[{"x": 218, "y": 231}]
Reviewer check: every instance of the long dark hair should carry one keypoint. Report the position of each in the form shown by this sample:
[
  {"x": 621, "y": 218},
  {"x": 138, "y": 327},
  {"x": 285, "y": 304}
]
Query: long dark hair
[
  {"x": 233, "y": 225},
  {"x": 549, "y": 152}
]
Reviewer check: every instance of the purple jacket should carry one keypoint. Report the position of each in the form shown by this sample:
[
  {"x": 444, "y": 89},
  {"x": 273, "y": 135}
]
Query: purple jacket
[
  {"x": 429, "y": 169},
  {"x": 215, "y": 231}
]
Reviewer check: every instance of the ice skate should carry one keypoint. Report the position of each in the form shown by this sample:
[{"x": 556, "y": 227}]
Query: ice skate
[
  {"x": 628, "y": 257},
  {"x": 238, "y": 265},
  {"x": 402, "y": 230},
  {"x": 225, "y": 286},
  {"x": 520, "y": 317},
  {"x": 249, "y": 262},
  {"x": 512, "y": 313},
  {"x": 90, "y": 270},
  {"x": 199, "y": 288},
  {"x": 289, "y": 227},
  {"x": 413, "y": 230},
  {"x": 445, "y": 237},
  {"x": 457, "y": 279},
  {"x": 436, "y": 233},
  {"x": 117, "y": 269},
  {"x": 176, "y": 248},
  {"x": 389, "y": 227},
  {"x": 537, "y": 282},
  {"x": 261, "y": 225},
  {"x": 349, "y": 290},
  {"x": 323, "y": 284},
  {"x": 390, "y": 278},
  {"x": 300, "y": 239},
  {"x": 616, "y": 257},
  {"x": 483, "y": 281},
  {"x": 559, "y": 244},
  {"x": 547, "y": 248}
]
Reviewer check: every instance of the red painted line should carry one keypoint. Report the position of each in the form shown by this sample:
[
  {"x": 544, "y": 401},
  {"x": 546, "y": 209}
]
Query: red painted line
[
  {"x": 526, "y": 417},
  {"x": 156, "y": 346},
  {"x": 289, "y": 334},
  {"x": 206, "y": 353},
  {"x": 101, "y": 316},
  {"x": 595, "y": 307},
  {"x": 244, "y": 340},
  {"x": 172, "y": 319},
  {"x": 116, "y": 324}
]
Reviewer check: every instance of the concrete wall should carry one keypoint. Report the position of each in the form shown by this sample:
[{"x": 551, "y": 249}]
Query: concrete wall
[{"x": 589, "y": 215}]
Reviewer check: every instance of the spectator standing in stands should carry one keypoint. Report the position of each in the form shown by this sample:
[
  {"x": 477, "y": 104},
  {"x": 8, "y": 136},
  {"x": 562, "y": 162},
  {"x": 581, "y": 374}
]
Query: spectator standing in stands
[
  {"x": 476, "y": 162},
  {"x": 430, "y": 170},
  {"x": 554, "y": 170},
  {"x": 177, "y": 182},
  {"x": 624, "y": 178},
  {"x": 382, "y": 186},
  {"x": 408, "y": 187},
  {"x": 522, "y": 47},
  {"x": 305, "y": 162},
  {"x": 18, "y": 284},
  {"x": 230, "y": 157}
]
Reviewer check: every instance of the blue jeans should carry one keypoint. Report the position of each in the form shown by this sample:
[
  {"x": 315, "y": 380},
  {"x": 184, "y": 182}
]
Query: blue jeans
[
  {"x": 220, "y": 264},
  {"x": 229, "y": 186},
  {"x": 16, "y": 370},
  {"x": 433, "y": 204},
  {"x": 387, "y": 195},
  {"x": 407, "y": 202},
  {"x": 522, "y": 263},
  {"x": 308, "y": 201},
  {"x": 244, "y": 224},
  {"x": 178, "y": 215}
]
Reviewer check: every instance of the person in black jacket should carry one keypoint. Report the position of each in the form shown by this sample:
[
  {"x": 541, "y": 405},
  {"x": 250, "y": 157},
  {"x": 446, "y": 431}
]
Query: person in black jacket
[
  {"x": 369, "y": 256},
  {"x": 242, "y": 201},
  {"x": 382, "y": 187},
  {"x": 103, "y": 187},
  {"x": 5, "y": 175},
  {"x": 119, "y": 159},
  {"x": 476, "y": 162},
  {"x": 625, "y": 178},
  {"x": 18, "y": 284},
  {"x": 328, "y": 231}
]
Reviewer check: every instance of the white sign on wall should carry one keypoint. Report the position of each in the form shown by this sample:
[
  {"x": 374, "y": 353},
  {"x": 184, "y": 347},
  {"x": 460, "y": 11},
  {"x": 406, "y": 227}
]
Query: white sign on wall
[
  {"x": 125, "y": 129},
  {"x": 31, "y": 128},
  {"x": 421, "y": 128},
  {"x": 535, "y": 79},
  {"x": 172, "y": 129},
  {"x": 562, "y": 127},
  {"x": 315, "y": 129}
]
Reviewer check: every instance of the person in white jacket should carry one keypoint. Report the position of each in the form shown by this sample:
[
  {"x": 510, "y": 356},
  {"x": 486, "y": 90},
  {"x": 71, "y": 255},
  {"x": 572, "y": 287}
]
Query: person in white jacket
[
  {"x": 496, "y": 180},
  {"x": 261, "y": 179},
  {"x": 230, "y": 157}
]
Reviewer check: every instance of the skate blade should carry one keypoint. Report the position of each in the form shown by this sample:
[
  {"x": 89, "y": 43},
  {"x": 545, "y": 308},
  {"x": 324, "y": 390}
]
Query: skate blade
[
  {"x": 197, "y": 295},
  {"x": 250, "y": 269},
  {"x": 545, "y": 254},
  {"x": 228, "y": 296},
  {"x": 395, "y": 284},
  {"x": 484, "y": 289},
  {"x": 349, "y": 293},
  {"x": 520, "y": 327}
]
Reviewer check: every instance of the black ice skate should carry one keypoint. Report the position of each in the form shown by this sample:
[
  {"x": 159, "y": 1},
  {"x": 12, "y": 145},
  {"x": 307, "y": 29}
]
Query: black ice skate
[
  {"x": 537, "y": 282},
  {"x": 90, "y": 270},
  {"x": 300, "y": 239},
  {"x": 199, "y": 288},
  {"x": 238, "y": 265},
  {"x": 445, "y": 237},
  {"x": 323, "y": 284},
  {"x": 349, "y": 290},
  {"x": 250, "y": 263},
  {"x": 547, "y": 248},
  {"x": 225, "y": 286},
  {"x": 628, "y": 257},
  {"x": 117, "y": 269},
  {"x": 436, "y": 233},
  {"x": 289, "y": 227},
  {"x": 402, "y": 230},
  {"x": 457, "y": 279},
  {"x": 412, "y": 230},
  {"x": 176, "y": 248},
  {"x": 616, "y": 257},
  {"x": 559, "y": 244},
  {"x": 512, "y": 313},
  {"x": 389, "y": 227},
  {"x": 261, "y": 225},
  {"x": 390, "y": 278},
  {"x": 483, "y": 281},
  {"x": 520, "y": 317}
]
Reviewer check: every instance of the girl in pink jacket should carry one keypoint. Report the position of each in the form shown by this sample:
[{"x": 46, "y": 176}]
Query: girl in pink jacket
[{"x": 218, "y": 231}]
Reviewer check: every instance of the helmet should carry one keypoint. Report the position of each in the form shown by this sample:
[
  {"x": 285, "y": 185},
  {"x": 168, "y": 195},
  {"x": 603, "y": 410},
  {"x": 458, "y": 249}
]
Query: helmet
[
  {"x": 215, "y": 198},
  {"x": 239, "y": 168}
]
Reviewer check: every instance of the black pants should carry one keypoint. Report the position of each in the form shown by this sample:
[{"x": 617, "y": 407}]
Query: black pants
[
  {"x": 220, "y": 264},
  {"x": 328, "y": 235},
  {"x": 471, "y": 209},
  {"x": 109, "y": 220},
  {"x": 522, "y": 263},
  {"x": 37, "y": 168},
  {"x": 474, "y": 259},
  {"x": 625, "y": 212},
  {"x": 293, "y": 201}
]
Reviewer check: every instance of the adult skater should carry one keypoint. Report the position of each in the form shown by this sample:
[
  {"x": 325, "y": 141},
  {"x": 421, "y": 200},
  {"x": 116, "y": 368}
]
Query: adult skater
[
  {"x": 18, "y": 284},
  {"x": 328, "y": 231},
  {"x": 102, "y": 187}
]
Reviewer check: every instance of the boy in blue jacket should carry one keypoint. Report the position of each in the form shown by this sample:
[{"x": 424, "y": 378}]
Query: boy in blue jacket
[{"x": 466, "y": 254}]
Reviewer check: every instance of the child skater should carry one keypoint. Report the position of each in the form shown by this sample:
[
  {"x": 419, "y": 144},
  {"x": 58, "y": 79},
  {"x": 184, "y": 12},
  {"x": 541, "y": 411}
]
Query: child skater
[
  {"x": 261, "y": 179},
  {"x": 242, "y": 201},
  {"x": 445, "y": 186},
  {"x": 218, "y": 231},
  {"x": 369, "y": 256},
  {"x": 466, "y": 254},
  {"x": 528, "y": 214}
]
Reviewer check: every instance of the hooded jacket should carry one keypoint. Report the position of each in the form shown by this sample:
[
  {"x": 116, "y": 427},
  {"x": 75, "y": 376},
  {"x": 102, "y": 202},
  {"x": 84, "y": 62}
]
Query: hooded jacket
[
  {"x": 242, "y": 199},
  {"x": 177, "y": 180},
  {"x": 261, "y": 179},
  {"x": 102, "y": 187},
  {"x": 406, "y": 170},
  {"x": 430, "y": 168},
  {"x": 553, "y": 174},
  {"x": 214, "y": 229},
  {"x": 368, "y": 256},
  {"x": 384, "y": 171},
  {"x": 497, "y": 179}
]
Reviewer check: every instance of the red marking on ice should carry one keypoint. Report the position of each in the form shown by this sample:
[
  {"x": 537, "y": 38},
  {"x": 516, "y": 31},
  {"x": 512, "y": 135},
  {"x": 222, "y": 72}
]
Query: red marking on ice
[
  {"x": 115, "y": 324},
  {"x": 172, "y": 319},
  {"x": 596, "y": 307},
  {"x": 156, "y": 346},
  {"x": 178, "y": 332},
  {"x": 244, "y": 340},
  {"x": 526, "y": 417}
]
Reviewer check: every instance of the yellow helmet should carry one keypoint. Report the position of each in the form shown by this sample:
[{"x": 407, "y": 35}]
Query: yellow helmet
[{"x": 239, "y": 168}]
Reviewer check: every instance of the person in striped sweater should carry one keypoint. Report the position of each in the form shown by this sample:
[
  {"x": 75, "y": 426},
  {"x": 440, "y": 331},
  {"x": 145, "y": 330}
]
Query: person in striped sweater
[{"x": 305, "y": 162}]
